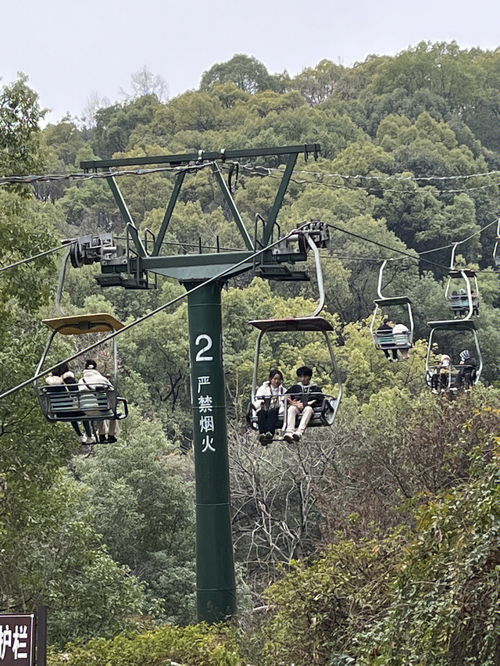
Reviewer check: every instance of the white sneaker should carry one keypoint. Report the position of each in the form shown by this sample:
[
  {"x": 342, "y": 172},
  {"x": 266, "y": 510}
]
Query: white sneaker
[{"x": 87, "y": 440}]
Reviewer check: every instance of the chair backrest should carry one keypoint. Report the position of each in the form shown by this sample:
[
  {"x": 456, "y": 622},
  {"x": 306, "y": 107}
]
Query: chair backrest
[
  {"x": 390, "y": 340},
  {"x": 89, "y": 405}
]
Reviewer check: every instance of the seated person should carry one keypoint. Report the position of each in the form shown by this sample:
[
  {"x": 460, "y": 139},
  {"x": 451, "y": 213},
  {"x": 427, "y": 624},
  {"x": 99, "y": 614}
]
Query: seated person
[
  {"x": 301, "y": 399},
  {"x": 387, "y": 329},
  {"x": 463, "y": 304},
  {"x": 63, "y": 379},
  {"x": 92, "y": 379},
  {"x": 440, "y": 378},
  {"x": 475, "y": 303},
  {"x": 269, "y": 406},
  {"x": 468, "y": 370},
  {"x": 398, "y": 329}
]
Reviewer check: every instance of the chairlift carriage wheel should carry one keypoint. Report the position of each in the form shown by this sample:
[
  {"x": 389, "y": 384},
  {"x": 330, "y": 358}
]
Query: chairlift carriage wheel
[
  {"x": 91, "y": 404},
  {"x": 387, "y": 340}
]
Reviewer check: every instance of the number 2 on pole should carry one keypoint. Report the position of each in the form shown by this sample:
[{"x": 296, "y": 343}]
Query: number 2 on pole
[{"x": 199, "y": 355}]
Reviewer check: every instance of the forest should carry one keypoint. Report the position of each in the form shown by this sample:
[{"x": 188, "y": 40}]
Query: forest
[{"x": 372, "y": 542}]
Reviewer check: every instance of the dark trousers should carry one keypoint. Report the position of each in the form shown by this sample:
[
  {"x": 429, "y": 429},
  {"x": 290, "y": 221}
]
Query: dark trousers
[
  {"x": 267, "y": 420},
  {"x": 466, "y": 377},
  {"x": 86, "y": 426},
  {"x": 439, "y": 380},
  {"x": 394, "y": 353}
]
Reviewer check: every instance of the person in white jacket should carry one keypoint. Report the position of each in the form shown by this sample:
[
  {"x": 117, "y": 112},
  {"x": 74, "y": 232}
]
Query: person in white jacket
[
  {"x": 92, "y": 379},
  {"x": 400, "y": 329},
  {"x": 269, "y": 405}
]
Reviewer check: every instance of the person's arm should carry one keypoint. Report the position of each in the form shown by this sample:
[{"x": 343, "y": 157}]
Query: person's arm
[
  {"x": 293, "y": 394},
  {"x": 261, "y": 393},
  {"x": 102, "y": 380},
  {"x": 315, "y": 396}
]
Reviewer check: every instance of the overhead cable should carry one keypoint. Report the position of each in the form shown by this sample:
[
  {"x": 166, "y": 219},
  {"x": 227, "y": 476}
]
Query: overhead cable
[
  {"x": 377, "y": 188},
  {"x": 254, "y": 170},
  {"x": 269, "y": 170},
  {"x": 36, "y": 256},
  {"x": 28, "y": 180},
  {"x": 386, "y": 247},
  {"x": 139, "y": 320},
  {"x": 445, "y": 247}
]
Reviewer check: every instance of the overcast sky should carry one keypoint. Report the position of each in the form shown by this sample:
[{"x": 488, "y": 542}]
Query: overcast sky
[{"x": 72, "y": 49}]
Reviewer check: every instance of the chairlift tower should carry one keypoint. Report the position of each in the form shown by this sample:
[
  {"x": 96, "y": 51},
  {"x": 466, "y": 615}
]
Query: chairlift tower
[{"x": 130, "y": 267}]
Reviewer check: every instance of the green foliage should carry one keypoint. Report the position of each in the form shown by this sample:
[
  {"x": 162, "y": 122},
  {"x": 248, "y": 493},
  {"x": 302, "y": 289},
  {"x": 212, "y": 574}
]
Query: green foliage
[
  {"x": 116, "y": 542},
  {"x": 20, "y": 115},
  {"x": 245, "y": 72},
  {"x": 424, "y": 595},
  {"x": 198, "y": 645},
  {"x": 52, "y": 556},
  {"x": 318, "y": 609},
  {"x": 446, "y": 591},
  {"x": 144, "y": 486},
  {"x": 115, "y": 123}
]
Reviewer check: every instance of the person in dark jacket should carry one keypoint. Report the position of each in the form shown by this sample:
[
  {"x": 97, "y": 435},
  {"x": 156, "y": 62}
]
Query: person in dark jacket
[
  {"x": 63, "y": 379},
  {"x": 468, "y": 370},
  {"x": 301, "y": 400},
  {"x": 386, "y": 329}
]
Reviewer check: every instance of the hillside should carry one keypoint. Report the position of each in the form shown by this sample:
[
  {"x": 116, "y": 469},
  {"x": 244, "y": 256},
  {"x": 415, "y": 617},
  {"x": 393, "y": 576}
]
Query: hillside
[{"x": 371, "y": 542}]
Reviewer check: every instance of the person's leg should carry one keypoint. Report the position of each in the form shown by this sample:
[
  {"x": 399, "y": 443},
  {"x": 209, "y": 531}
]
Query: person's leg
[
  {"x": 88, "y": 429},
  {"x": 394, "y": 354},
  {"x": 112, "y": 430},
  {"x": 306, "y": 417},
  {"x": 387, "y": 355},
  {"x": 291, "y": 419},
  {"x": 261, "y": 420},
  {"x": 405, "y": 353},
  {"x": 272, "y": 420},
  {"x": 101, "y": 430},
  {"x": 76, "y": 428},
  {"x": 468, "y": 380}
]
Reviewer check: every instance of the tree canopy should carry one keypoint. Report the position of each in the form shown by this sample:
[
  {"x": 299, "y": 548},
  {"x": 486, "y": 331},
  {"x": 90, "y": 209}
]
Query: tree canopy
[{"x": 373, "y": 542}]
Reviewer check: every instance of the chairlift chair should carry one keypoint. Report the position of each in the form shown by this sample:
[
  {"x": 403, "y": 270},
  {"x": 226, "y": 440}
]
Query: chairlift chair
[
  {"x": 325, "y": 411},
  {"x": 387, "y": 340},
  {"x": 453, "y": 325},
  {"x": 462, "y": 300},
  {"x": 64, "y": 404}
]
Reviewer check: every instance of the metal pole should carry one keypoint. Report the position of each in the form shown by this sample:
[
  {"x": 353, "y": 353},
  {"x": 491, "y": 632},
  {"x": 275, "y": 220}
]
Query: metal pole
[
  {"x": 215, "y": 582},
  {"x": 41, "y": 636}
]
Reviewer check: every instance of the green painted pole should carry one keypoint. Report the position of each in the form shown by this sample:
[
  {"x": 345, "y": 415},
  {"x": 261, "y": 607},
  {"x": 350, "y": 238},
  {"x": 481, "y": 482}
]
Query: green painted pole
[{"x": 215, "y": 583}]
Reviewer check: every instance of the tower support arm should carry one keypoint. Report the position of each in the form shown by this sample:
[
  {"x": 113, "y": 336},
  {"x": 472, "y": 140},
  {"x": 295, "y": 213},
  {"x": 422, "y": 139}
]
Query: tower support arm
[
  {"x": 232, "y": 206},
  {"x": 122, "y": 206},
  {"x": 174, "y": 160},
  {"x": 290, "y": 165}
]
